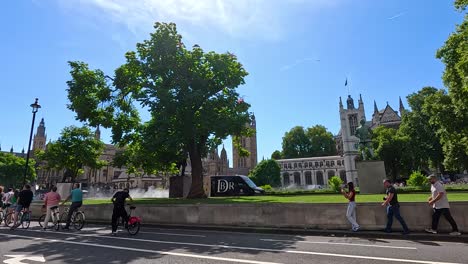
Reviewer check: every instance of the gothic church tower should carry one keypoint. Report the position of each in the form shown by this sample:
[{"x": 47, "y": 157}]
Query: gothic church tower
[
  {"x": 243, "y": 165},
  {"x": 350, "y": 118},
  {"x": 40, "y": 137}
]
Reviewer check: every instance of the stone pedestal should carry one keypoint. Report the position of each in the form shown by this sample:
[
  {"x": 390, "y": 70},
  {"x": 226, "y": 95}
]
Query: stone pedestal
[{"x": 371, "y": 175}]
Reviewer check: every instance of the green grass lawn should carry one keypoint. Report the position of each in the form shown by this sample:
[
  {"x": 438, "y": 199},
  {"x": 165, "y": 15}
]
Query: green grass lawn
[{"x": 315, "y": 198}]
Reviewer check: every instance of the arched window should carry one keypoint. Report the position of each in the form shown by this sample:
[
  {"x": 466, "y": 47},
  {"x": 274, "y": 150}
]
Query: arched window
[
  {"x": 285, "y": 179},
  {"x": 343, "y": 175},
  {"x": 297, "y": 178},
  {"x": 331, "y": 174},
  {"x": 319, "y": 175},
  {"x": 308, "y": 177}
]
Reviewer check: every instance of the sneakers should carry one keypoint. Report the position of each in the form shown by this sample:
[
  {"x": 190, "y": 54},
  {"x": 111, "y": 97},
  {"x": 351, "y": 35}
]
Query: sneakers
[
  {"x": 355, "y": 229},
  {"x": 455, "y": 233},
  {"x": 114, "y": 233},
  {"x": 407, "y": 232},
  {"x": 430, "y": 230}
]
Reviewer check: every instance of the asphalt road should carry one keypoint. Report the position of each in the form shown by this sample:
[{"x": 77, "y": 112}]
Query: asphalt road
[{"x": 157, "y": 245}]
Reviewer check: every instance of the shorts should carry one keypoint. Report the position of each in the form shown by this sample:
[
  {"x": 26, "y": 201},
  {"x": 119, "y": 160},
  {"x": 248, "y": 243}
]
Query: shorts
[{"x": 19, "y": 207}]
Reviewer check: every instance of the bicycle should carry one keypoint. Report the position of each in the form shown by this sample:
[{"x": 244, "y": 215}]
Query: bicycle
[
  {"x": 55, "y": 218},
  {"x": 133, "y": 223},
  {"x": 6, "y": 216},
  {"x": 78, "y": 218},
  {"x": 24, "y": 218}
]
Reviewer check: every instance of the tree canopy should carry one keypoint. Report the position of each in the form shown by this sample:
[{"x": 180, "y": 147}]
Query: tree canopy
[
  {"x": 75, "y": 148},
  {"x": 449, "y": 111},
  {"x": 266, "y": 172},
  {"x": 314, "y": 141},
  {"x": 12, "y": 170},
  {"x": 189, "y": 94}
]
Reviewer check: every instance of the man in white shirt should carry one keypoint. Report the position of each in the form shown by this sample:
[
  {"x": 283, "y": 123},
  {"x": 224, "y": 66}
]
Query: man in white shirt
[
  {"x": 439, "y": 202},
  {"x": 7, "y": 197}
]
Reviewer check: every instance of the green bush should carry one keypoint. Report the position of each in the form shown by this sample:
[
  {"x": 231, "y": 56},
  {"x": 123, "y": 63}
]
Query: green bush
[
  {"x": 335, "y": 183},
  {"x": 417, "y": 179},
  {"x": 266, "y": 188}
]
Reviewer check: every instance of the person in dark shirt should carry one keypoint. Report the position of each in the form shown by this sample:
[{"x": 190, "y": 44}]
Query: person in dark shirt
[
  {"x": 393, "y": 208},
  {"x": 25, "y": 198},
  {"x": 119, "y": 208}
]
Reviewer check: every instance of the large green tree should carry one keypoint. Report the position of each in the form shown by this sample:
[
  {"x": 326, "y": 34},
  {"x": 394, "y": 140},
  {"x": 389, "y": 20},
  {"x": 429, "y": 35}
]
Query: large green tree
[
  {"x": 425, "y": 150},
  {"x": 12, "y": 170},
  {"x": 75, "y": 148},
  {"x": 449, "y": 112},
  {"x": 391, "y": 148},
  {"x": 266, "y": 172},
  {"x": 276, "y": 155},
  {"x": 314, "y": 141},
  {"x": 190, "y": 95}
]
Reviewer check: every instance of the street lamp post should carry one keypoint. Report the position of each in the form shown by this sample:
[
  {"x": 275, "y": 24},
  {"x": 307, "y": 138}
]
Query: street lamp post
[{"x": 35, "y": 108}]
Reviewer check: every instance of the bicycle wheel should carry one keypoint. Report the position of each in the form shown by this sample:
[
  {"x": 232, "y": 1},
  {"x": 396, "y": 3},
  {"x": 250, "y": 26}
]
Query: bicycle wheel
[
  {"x": 63, "y": 219},
  {"x": 79, "y": 220},
  {"x": 41, "y": 220},
  {"x": 56, "y": 222},
  {"x": 25, "y": 220},
  {"x": 134, "y": 228},
  {"x": 9, "y": 219}
]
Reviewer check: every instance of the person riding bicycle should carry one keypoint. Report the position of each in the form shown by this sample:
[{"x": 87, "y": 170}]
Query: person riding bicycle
[
  {"x": 51, "y": 202},
  {"x": 7, "y": 198},
  {"x": 119, "y": 208},
  {"x": 76, "y": 197},
  {"x": 24, "y": 201}
]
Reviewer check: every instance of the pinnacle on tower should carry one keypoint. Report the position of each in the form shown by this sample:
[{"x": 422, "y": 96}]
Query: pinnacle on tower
[
  {"x": 341, "y": 103},
  {"x": 375, "y": 107},
  {"x": 402, "y": 108},
  {"x": 350, "y": 102}
]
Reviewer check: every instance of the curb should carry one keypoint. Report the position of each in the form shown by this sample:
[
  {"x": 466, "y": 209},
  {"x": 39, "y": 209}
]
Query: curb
[{"x": 417, "y": 236}]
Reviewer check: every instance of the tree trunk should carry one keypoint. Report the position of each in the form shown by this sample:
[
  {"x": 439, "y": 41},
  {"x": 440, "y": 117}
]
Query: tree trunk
[{"x": 196, "y": 189}]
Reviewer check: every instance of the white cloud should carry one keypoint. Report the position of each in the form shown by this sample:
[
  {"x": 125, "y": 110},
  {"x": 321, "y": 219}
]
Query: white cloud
[{"x": 236, "y": 18}]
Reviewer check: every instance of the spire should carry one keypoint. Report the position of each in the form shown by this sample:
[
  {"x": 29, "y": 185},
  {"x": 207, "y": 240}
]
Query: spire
[
  {"x": 41, "y": 129},
  {"x": 97, "y": 133},
  {"x": 375, "y": 107},
  {"x": 11, "y": 150},
  {"x": 22, "y": 151},
  {"x": 402, "y": 108},
  {"x": 360, "y": 99},
  {"x": 341, "y": 103}
]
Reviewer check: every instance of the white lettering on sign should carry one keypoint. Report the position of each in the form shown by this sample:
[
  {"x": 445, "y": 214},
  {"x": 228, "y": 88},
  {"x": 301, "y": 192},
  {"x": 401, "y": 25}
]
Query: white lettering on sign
[
  {"x": 17, "y": 259},
  {"x": 224, "y": 186}
]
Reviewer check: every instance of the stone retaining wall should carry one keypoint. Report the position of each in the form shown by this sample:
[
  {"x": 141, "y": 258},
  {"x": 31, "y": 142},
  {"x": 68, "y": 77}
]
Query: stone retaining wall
[{"x": 370, "y": 216}]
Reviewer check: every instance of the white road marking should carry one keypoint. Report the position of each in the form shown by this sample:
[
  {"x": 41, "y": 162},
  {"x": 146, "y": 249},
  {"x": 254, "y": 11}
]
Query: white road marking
[
  {"x": 338, "y": 243},
  {"x": 17, "y": 259},
  {"x": 170, "y": 234},
  {"x": 254, "y": 249},
  {"x": 144, "y": 232},
  {"x": 144, "y": 250}
]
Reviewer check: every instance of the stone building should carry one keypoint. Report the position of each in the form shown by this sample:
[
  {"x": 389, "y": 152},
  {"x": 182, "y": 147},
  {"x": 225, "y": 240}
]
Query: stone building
[
  {"x": 311, "y": 171},
  {"x": 215, "y": 164},
  {"x": 293, "y": 171}
]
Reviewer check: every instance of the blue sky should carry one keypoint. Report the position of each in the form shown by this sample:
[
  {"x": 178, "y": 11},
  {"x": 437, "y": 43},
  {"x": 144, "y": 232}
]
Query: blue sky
[{"x": 297, "y": 52}]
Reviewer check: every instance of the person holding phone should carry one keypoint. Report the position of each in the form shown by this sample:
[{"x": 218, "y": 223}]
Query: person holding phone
[{"x": 351, "y": 211}]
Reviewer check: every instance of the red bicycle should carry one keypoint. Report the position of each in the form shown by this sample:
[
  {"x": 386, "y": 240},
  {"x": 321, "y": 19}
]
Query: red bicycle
[{"x": 133, "y": 223}]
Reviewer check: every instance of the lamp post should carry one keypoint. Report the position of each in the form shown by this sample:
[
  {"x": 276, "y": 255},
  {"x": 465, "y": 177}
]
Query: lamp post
[{"x": 35, "y": 108}]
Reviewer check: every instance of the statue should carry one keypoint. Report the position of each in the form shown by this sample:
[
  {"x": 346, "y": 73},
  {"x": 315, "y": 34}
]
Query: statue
[{"x": 364, "y": 133}]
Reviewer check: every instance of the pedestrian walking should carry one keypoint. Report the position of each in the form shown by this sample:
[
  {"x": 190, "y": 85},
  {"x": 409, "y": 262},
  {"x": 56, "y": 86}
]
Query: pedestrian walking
[
  {"x": 351, "y": 211},
  {"x": 393, "y": 208},
  {"x": 440, "y": 206}
]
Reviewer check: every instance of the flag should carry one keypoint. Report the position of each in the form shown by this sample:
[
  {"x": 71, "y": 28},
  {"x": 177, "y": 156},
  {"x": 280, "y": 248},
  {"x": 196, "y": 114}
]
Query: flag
[{"x": 346, "y": 82}]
